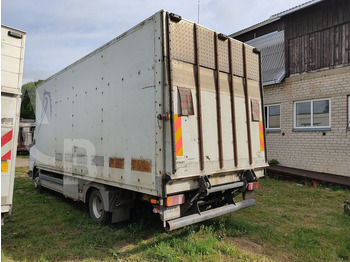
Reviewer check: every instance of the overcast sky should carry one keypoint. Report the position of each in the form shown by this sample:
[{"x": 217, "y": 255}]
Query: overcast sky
[{"x": 61, "y": 32}]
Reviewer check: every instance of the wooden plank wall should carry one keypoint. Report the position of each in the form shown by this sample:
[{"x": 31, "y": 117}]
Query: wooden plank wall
[
  {"x": 318, "y": 37},
  {"x": 274, "y": 26}
]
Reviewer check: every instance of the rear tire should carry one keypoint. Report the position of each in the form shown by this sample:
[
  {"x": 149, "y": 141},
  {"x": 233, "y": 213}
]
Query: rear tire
[{"x": 97, "y": 211}]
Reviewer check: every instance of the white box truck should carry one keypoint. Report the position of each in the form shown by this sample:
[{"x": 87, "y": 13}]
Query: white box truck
[
  {"x": 169, "y": 112},
  {"x": 12, "y": 54}
]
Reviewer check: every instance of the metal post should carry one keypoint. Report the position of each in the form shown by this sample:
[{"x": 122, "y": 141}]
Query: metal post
[
  {"x": 246, "y": 94},
  {"x": 170, "y": 79},
  {"x": 233, "y": 106},
  {"x": 199, "y": 104}
]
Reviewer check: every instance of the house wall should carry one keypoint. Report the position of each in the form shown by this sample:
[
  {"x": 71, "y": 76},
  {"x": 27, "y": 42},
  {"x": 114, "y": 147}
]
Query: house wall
[
  {"x": 318, "y": 37},
  {"x": 327, "y": 48},
  {"x": 321, "y": 16},
  {"x": 321, "y": 151}
]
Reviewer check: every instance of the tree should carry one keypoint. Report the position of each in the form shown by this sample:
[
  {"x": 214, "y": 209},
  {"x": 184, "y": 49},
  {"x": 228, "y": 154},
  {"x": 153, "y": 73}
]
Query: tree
[{"x": 28, "y": 100}]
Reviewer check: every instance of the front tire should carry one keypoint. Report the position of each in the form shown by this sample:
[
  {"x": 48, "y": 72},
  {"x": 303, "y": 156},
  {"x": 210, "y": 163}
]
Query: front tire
[
  {"x": 37, "y": 182},
  {"x": 97, "y": 211}
]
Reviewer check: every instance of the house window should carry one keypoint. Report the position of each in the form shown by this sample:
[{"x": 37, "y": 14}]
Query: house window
[
  {"x": 273, "y": 117},
  {"x": 312, "y": 114}
]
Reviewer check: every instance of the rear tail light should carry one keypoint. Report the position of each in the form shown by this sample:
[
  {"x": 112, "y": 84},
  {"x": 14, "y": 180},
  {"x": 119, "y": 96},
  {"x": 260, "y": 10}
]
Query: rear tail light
[
  {"x": 175, "y": 200},
  {"x": 253, "y": 186}
]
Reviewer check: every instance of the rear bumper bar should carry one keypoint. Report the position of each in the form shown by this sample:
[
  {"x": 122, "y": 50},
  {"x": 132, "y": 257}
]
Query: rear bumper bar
[{"x": 205, "y": 215}]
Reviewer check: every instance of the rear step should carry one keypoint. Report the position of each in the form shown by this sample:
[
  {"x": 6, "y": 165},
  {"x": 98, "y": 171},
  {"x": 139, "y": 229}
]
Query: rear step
[{"x": 205, "y": 215}]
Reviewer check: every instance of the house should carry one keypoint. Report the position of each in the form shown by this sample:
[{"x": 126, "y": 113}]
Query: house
[
  {"x": 306, "y": 78},
  {"x": 25, "y": 134}
]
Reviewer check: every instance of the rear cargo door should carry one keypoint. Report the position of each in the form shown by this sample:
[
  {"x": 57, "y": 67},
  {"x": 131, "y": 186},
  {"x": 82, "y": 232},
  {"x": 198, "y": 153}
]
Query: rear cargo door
[{"x": 216, "y": 101}]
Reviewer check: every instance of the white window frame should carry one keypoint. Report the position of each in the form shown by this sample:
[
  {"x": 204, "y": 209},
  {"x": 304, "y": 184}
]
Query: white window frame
[
  {"x": 267, "y": 108},
  {"x": 312, "y": 115}
]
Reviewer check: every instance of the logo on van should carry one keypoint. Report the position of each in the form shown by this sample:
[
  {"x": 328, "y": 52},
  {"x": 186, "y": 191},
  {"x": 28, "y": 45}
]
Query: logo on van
[{"x": 46, "y": 107}]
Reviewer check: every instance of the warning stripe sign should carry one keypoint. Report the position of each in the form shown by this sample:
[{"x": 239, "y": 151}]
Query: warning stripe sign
[
  {"x": 6, "y": 145},
  {"x": 178, "y": 135},
  {"x": 261, "y": 136}
]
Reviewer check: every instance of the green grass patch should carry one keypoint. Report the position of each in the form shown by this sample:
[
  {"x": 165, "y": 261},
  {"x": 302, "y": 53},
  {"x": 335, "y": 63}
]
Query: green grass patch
[{"x": 291, "y": 222}]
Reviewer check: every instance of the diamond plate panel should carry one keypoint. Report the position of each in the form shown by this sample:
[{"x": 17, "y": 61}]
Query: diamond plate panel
[
  {"x": 183, "y": 49},
  {"x": 206, "y": 47},
  {"x": 223, "y": 56},
  {"x": 237, "y": 56},
  {"x": 182, "y": 41},
  {"x": 252, "y": 64}
]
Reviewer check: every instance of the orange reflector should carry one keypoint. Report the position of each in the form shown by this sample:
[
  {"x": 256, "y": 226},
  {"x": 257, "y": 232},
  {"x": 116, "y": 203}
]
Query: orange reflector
[
  {"x": 253, "y": 186},
  {"x": 175, "y": 200},
  {"x": 154, "y": 201}
]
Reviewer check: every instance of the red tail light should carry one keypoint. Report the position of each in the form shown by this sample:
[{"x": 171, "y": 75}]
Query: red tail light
[
  {"x": 253, "y": 186},
  {"x": 175, "y": 200}
]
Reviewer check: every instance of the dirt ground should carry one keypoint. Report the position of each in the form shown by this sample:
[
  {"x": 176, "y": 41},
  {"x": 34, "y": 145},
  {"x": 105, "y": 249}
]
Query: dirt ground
[{"x": 22, "y": 161}]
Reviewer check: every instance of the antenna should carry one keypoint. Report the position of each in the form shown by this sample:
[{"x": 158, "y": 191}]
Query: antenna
[{"x": 198, "y": 10}]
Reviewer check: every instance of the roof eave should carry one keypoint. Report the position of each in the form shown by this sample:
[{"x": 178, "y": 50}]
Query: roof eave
[
  {"x": 297, "y": 8},
  {"x": 266, "y": 22},
  {"x": 275, "y": 81},
  {"x": 276, "y": 17}
]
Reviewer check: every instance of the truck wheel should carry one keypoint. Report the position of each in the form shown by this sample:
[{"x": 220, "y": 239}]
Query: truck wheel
[
  {"x": 97, "y": 212},
  {"x": 37, "y": 183}
]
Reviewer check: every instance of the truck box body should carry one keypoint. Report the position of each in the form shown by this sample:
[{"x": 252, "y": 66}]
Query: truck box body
[
  {"x": 153, "y": 111},
  {"x": 12, "y": 54}
]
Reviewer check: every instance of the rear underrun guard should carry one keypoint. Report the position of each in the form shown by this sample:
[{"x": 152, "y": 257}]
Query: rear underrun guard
[{"x": 205, "y": 215}]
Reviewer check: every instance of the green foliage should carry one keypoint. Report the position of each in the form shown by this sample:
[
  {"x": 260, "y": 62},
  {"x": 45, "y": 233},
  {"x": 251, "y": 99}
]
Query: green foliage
[
  {"x": 273, "y": 162},
  {"x": 28, "y": 100}
]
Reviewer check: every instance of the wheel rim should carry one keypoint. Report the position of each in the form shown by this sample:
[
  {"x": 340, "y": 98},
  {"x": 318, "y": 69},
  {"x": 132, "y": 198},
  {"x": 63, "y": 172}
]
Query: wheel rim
[
  {"x": 97, "y": 206},
  {"x": 36, "y": 182}
]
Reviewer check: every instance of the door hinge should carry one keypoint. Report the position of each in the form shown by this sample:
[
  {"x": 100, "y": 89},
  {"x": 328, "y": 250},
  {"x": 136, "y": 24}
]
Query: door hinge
[{"x": 165, "y": 116}]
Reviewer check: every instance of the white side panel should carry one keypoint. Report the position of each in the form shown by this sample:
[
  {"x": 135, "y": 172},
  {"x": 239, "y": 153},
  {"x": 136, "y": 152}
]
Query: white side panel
[
  {"x": 242, "y": 136},
  {"x": 9, "y": 82},
  {"x": 210, "y": 131},
  {"x": 10, "y": 63},
  {"x": 188, "y": 163},
  {"x": 97, "y": 118},
  {"x": 227, "y": 136},
  {"x": 9, "y": 40},
  {"x": 10, "y": 108},
  {"x": 12, "y": 54},
  {"x": 258, "y": 149}
]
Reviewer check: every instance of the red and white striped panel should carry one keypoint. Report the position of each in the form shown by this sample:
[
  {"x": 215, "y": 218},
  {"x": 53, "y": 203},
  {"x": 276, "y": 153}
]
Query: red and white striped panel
[{"x": 6, "y": 145}]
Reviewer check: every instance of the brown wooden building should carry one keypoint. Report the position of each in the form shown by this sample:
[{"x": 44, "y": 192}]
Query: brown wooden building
[{"x": 306, "y": 77}]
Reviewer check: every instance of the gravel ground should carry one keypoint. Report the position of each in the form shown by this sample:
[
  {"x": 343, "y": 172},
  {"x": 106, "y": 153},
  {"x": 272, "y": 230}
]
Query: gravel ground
[{"x": 22, "y": 161}]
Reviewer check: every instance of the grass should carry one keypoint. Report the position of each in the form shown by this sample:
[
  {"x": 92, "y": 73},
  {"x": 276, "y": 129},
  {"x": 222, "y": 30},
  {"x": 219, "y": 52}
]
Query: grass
[{"x": 291, "y": 222}]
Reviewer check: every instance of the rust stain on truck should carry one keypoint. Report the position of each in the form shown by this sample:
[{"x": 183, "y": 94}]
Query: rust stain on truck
[
  {"x": 116, "y": 162},
  {"x": 141, "y": 165}
]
